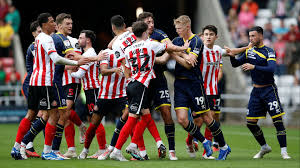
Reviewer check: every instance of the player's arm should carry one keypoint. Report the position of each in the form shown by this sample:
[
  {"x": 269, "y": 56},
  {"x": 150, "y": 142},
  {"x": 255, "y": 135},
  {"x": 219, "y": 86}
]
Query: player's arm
[
  {"x": 236, "y": 51},
  {"x": 271, "y": 59},
  {"x": 29, "y": 60},
  {"x": 173, "y": 48},
  {"x": 162, "y": 59},
  {"x": 181, "y": 60},
  {"x": 235, "y": 62},
  {"x": 111, "y": 42},
  {"x": 105, "y": 71},
  {"x": 220, "y": 74},
  {"x": 81, "y": 71}
]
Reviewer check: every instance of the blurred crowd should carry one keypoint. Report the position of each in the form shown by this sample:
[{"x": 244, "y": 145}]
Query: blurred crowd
[
  {"x": 285, "y": 39},
  {"x": 9, "y": 26}
]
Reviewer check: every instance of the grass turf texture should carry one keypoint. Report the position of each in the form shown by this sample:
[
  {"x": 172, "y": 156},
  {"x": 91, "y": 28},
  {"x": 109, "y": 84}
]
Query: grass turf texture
[{"x": 242, "y": 143}]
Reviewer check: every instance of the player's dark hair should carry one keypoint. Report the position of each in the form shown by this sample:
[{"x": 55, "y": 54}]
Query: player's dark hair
[
  {"x": 138, "y": 28},
  {"x": 117, "y": 21},
  {"x": 33, "y": 26},
  {"x": 60, "y": 18},
  {"x": 210, "y": 28},
  {"x": 43, "y": 18},
  {"x": 89, "y": 34},
  {"x": 258, "y": 29},
  {"x": 144, "y": 15}
]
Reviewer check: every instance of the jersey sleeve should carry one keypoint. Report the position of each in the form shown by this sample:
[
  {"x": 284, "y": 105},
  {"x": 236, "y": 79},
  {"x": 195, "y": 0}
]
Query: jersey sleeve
[
  {"x": 195, "y": 46},
  {"x": 235, "y": 62},
  {"x": 29, "y": 59},
  {"x": 159, "y": 35},
  {"x": 49, "y": 46},
  {"x": 271, "y": 55},
  {"x": 158, "y": 47}
]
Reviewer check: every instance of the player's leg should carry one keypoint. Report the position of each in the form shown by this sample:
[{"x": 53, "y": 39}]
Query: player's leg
[
  {"x": 256, "y": 111},
  {"x": 136, "y": 94},
  {"x": 120, "y": 105},
  {"x": 276, "y": 112}
]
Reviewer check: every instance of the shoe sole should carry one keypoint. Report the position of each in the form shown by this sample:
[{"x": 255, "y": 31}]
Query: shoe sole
[
  {"x": 162, "y": 153},
  {"x": 134, "y": 155}
]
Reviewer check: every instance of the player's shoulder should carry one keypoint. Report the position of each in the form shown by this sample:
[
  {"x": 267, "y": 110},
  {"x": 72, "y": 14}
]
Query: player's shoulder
[
  {"x": 90, "y": 52},
  {"x": 268, "y": 49},
  {"x": 159, "y": 32},
  {"x": 177, "y": 40},
  {"x": 217, "y": 47}
]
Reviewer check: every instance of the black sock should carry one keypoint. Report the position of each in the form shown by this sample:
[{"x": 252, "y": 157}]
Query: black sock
[
  {"x": 170, "y": 132},
  {"x": 257, "y": 132},
  {"x": 36, "y": 128},
  {"x": 217, "y": 133},
  {"x": 117, "y": 131},
  {"x": 281, "y": 133},
  {"x": 195, "y": 131},
  {"x": 58, "y": 136}
]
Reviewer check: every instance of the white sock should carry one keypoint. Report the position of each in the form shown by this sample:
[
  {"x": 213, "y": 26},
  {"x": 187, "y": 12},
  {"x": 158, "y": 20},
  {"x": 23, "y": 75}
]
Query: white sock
[
  {"x": 85, "y": 150},
  {"x": 47, "y": 149},
  {"x": 204, "y": 141},
  {"x": 171, "y": 151},
  {"x": 283, "y": 150},
  {"x": 29, "y": 145},
  {"x": 215, "y": 143},
  {"x": 111, "y": 148},
  {"x": 264, "y": 146},
  {"x": 72, "y": 149},
  {"x": 102, "y": 150},
  {"x": 133, "y": 145},
  {"x": 17, "y": 145},
  {"x": 224, "y": 147},
  {"x": 55, "y": 151},
  {"x": 158, "y": 143},
  {"x": 143, "y": 153},
  {"x": 117, "y": 150}
]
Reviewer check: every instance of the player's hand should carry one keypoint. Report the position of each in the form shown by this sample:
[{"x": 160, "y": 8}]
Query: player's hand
[
  {"x": 191, "y": 59},
  {"x": 228, "y": 52},
  {"x": 73, "y": 55},
  {"x": 102, "y": 55},
  {"x": 186, "y": 44},
  {"x": 250, "y": 45},
  {"x": 83, "y": 61},
  {"x": 118, "y": 70},
  {"x": 247, "y": 67}
]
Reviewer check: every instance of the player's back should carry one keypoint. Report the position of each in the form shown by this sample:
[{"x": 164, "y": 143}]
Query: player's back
[
  {"x": 114, "y": 85},
  {"x": 140, "y": 58},
  {"x": 43, "y": 66},
  {"x": 122, "y": 42}
]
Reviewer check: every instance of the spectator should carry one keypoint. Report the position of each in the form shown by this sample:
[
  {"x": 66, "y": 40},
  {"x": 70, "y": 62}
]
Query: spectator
[
  {"x": 2, "y": 74},
  {"x": 243, "y": 39},
  {"x": 252, "y": 6},
  {"x": 13, "y": 77},
  {"x": 233, "y": 29},
  {"x": 297, "y": 74},
  {"x": 279, "y": 8},
  {"x": 268, "y": 32},
  {"x": 3, "y": 9},
  {"x": 13, "y": 18},
  {"x": 295, "y": 9},
  {"x": 236, "y": 5},
  {"x": 280, "y": 49},
  {"x": 232, "y": 16},
  {"x": 281, "y": 29},
  {"x": 246, "y": 18},
  {"x": 292, "y": 52},
  {"x": 6, "y": 35},
  {"x": 293, "y": 32}
]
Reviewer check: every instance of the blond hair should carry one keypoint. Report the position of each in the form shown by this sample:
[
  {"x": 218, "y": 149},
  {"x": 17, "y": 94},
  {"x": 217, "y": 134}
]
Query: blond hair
[{"x": 182, "y": 20}]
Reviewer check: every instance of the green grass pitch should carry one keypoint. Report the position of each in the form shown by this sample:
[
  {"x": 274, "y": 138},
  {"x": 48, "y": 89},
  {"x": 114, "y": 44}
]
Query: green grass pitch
[{"x": 243, "y": 146}]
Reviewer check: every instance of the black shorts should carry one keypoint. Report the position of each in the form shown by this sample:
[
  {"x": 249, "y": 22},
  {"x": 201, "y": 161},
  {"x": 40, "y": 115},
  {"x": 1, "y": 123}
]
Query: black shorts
[
  {"x": 59, "y": 95},
  {"x": 41, "y": 98},
  {"x": 137, "y": 94},
  {"x": 214, "y": 103},
  {"x": 159, "y": 93},
  {"x": 91, "y": 98},
  {"x": 114, "y": 106},
  {"x": 72, "y": 91}
]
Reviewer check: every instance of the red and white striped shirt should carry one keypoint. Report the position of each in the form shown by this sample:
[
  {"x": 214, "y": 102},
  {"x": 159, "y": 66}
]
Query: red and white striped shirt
[
  {"x": 112, "y": 86},
  {"x": 210, "y": 66},
  {"x": 122, "y": 42},
  {"x": 140, "y": 58},
  {"x": 43, "y": 66},
  {"x": 88, "y": 73},
  {"x": 67, "y": 78}
]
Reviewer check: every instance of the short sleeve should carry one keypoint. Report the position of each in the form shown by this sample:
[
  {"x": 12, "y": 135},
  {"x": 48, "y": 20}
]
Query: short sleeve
[
  {"x": 195, "y": 46},
  {"x": 48, "y": 46},
  {"x": 158, "y": 47}
]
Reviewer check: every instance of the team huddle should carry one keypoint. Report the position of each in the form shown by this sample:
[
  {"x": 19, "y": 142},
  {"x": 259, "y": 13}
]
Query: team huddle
[{"x": 132, "y": 84}]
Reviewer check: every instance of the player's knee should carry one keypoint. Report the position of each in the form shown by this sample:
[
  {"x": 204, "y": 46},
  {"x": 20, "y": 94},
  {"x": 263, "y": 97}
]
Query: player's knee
[
  {"x": 182, "y": 121},
  {"x": 253, "y": 127}
]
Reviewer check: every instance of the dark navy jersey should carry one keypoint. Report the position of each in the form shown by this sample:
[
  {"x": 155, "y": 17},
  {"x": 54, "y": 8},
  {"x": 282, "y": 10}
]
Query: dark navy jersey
[
  {"x": 62, "y": 45},
  {"x": 264, "y": 59},
  {"x": 195, "y": 47},
  {"x": 29, "y": 67},
  {"x": 159, "y": 36}
]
